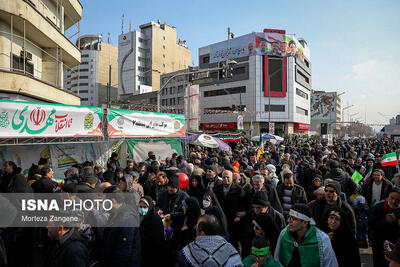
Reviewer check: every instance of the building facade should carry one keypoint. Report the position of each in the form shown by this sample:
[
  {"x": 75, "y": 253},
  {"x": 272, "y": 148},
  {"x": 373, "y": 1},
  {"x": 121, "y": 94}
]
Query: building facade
[
  {"x": 325, "y": 112},
  {"x": 172, "y": 97},
  {"x": 34, "y": 50},
  {"x": 266, "y": 85},
  {"x": 89, "y": 79},
  {"x": 146, "y": 54}
]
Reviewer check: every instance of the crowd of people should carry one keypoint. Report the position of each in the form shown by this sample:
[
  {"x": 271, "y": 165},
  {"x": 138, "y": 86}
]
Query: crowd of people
[{"x": 296, "y": 204}]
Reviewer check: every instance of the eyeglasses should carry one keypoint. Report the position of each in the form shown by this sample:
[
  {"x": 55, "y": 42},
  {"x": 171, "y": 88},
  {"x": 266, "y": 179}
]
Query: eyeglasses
[
  {"x": 291, "y": 218},
  {"x": 330, "y": 191}
]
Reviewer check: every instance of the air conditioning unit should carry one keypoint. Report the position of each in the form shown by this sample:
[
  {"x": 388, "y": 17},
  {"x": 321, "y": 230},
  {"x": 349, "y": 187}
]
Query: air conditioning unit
[{"x": 28, "y": 56}]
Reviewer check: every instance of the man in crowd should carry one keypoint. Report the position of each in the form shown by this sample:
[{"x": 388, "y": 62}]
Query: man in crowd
[
  {"x": 290, "y": 193},
  {"x": 377, "y": 188},
  {"x": 303, "y": 244}
]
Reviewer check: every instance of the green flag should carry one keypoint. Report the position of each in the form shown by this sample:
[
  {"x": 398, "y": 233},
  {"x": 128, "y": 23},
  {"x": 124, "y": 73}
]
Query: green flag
[{"x": 357, "y": 177}]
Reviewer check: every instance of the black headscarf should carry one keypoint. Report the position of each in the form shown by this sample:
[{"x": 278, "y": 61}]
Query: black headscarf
[
  {"x": 198, "y": 191},
  {"x": 192, "y": 212}
]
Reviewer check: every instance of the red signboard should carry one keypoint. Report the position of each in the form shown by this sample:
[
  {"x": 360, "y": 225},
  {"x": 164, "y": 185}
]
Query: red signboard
[
  {"x": 219, "y": 126},
  {"x": 302, "y": 127}
]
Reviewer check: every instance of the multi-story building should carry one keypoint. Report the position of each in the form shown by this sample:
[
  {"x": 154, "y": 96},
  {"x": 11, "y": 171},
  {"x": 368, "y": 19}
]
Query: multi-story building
[
  {"x": 172, "y": 97},
  {"x": 325, "y": 112},
  {"x": 89, "y": 79},
  {"x": 144, "y": 55},
  {"x": 270, "y": 82},
  {"x": 34, "y": 50}
]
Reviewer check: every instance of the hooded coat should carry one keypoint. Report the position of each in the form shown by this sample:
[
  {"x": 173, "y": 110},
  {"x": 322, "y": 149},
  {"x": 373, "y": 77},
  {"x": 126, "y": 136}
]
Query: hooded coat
[
  {"x": 152, "y": 237},
  {"x": 347, "y": 184}
]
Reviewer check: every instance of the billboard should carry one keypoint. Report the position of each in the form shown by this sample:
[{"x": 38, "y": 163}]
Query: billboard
[
  {"x": 132, "y": 123},
  {"x": 30, "y": 119},
  {"x": 258, "y": 43},
  {"x": 194, "y": 114},
  {"x": 323, "y": 105},
  {"x": 126, "y": 63}
]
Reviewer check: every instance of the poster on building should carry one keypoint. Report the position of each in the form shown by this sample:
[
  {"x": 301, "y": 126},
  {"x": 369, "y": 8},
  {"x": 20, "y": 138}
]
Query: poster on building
[
  {"x": 132, "y": 123},
  {"x": 240, "y": 122},
  {"x": 323, "y": 106},
  {"x": 30, "y": 119},
  {"x": 259, "y": 43},
  {"x": 271, "y": 128},
  {"x": 194, "y": 114},
  {"x": 162, "y": 148}
]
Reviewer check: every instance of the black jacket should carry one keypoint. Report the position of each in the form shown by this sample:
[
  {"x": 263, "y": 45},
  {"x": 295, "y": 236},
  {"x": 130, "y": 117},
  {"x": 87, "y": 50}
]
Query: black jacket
[
  {"x": 233, "y": 202},
  {"x": 121, "y": 245},
  {"x": 385, "y": 190},
  {"x": 44, "y": 185},
  {"x": 172, "y": 204},
  {"x": 83, "y": 187},
  {"x": 347, "y": 184},
  {"x": 68, "y": 251},
  {"x": 309, "y": 176}
]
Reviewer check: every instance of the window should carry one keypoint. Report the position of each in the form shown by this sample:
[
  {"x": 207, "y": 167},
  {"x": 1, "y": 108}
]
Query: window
[
  {"x": 141, "y": 59},
  {"x": 163, "y": 46},
  {"x": 163, "y": 65},
  {"x": 301, "y": 93},
  {"x": 206, "y": 59},
  {"x": 83, "y": 77},
  {"x": 172, "y": 101},
  {"x": 171, "y": 90},
  {"x": 85, "y": 55},
  {"x": 180, "y": 100},
  {"x": 303, "y": 77},
  {"x": 307, "y": 63},
  {"x": 141, "y": 40},
  {"x": 239, "y": 70},
  {"x": 83, "y": 91},
  {"x": 84, "y": 99},
  {"x": 84, "y": 63},
  {"x": 82, "y": 70},
  {"x": 275, "y": 108},
  {"x": 18, "y": 65},
  {"x": 275, "y": 67},
  {"x": 180, "y": 89},
  {"x": 163, "y": 56},
  {"x": 227, "y": 91},
  {"x": 301, "y": 111}
]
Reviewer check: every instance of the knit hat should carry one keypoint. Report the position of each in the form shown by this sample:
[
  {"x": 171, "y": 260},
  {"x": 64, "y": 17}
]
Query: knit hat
[
  {"x": 213, "y": 168},
  {"x": 335, "y": 185},
  {"x": 174, "y": 181},
  {"x": 260, "y": 198}
]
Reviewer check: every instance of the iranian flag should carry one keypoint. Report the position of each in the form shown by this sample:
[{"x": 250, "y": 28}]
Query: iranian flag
[
  {"x": 260, "y": 148},
  {"x": 389, "y": 159}
]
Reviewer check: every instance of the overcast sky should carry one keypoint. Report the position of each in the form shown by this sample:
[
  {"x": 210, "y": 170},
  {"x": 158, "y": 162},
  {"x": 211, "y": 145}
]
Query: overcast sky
[{"x": 355, "y": 45}]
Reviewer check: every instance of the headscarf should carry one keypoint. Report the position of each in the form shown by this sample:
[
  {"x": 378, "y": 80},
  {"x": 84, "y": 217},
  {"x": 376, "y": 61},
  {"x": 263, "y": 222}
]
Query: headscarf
[
  {"x": 198, "y": 191},
  {"x": 192, "y": 211}
]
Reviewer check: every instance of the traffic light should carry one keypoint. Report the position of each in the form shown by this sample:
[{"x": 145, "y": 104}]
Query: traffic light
[
  {"x": 229, "y": 70},
  {"x": 324, "y": 128},
  {"x": 221, "y": 70}
]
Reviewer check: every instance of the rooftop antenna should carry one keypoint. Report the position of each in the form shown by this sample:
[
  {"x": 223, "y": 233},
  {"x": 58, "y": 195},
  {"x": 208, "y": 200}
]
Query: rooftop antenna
[
  {"x": 109, "y": 38},
  {"x": 122, "y": 24},
  {"x": 130, "y": 25}
]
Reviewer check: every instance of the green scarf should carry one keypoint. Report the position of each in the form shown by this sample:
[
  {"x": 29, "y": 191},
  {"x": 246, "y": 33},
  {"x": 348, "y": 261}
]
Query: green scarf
[{"x": 308, "y": 247}]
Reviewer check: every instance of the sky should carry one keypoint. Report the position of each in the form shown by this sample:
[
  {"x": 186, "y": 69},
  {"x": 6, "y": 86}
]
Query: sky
[{"x": 354, "y": 44}]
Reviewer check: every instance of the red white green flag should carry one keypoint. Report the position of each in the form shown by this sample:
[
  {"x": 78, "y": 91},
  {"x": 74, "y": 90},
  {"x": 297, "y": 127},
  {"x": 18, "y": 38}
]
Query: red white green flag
[
  {"x": 260, "y": 148},
  {"x": 389, "y": 159}
]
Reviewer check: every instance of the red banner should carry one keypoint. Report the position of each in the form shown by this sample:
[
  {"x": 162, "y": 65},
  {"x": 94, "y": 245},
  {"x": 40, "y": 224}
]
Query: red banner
[
  {"x": 219, "y": 126},
  {"x": 302, "y": 127}
]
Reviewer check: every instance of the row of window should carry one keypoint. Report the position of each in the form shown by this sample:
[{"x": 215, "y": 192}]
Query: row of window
[
  {"x": 227, "y": 91},
  {"x": 172, "y": 101},
  {"x": 172, "y": 90},
  {"x": 142, "y": 59},
  {"x": 221, "y": 109}
]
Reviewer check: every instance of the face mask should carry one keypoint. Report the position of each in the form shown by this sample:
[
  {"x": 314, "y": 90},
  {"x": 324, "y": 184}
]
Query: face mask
[
  {"x": 143, "y": 211},
  {"x": 206, "y": 203}
]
